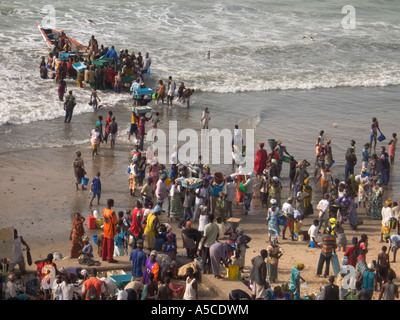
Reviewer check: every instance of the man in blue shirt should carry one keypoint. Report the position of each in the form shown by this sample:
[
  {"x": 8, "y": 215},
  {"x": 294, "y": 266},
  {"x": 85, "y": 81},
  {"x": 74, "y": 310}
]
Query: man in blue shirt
[
  {"x": 112, "y": 53},
  {"x": 138, "y": 258}
]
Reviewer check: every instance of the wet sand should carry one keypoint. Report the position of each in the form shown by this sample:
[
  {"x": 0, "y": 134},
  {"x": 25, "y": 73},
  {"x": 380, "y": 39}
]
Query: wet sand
[{"x": 39, "y": 198}]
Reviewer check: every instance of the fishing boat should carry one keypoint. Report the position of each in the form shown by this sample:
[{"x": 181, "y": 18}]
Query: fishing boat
[{"x": 51, "y": 37}]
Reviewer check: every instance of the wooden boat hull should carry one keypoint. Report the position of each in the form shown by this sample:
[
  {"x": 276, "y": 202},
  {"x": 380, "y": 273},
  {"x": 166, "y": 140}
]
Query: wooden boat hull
[{"x": 50, "y": 37}]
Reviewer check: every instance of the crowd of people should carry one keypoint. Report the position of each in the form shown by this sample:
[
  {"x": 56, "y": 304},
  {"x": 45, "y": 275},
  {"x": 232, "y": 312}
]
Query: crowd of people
[{"x": 152, "y": 245}]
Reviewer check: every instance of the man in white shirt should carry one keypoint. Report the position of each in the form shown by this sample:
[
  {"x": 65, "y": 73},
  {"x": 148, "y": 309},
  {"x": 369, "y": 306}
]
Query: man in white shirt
[
  {"x": 200, "y": 196},
  {"x": 171, "y": 91},
  {"x": 288, "y": 211},
  {"x": 323, "y": 209},
  {"x": 313, "y": 233}
]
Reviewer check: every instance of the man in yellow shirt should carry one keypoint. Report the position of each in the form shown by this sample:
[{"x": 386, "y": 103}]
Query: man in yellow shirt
[{"x": 134, "y": 127}]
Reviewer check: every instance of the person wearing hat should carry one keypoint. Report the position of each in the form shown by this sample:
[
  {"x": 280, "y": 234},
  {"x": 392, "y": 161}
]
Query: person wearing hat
[
  {"x": 79, "y": 170},
  {"x": 133, "y": 172},
  {"x": 368, "y": 281},
  {"x": 273, "y": 170},
  {"x": 295, "y": 278},
  {"x": 328, "y": 248},
  {"x": 387, "y": 214},
  {"x": 152, "y": 226},
  {"x": 151, "y": 266},
  {"x": 272, "y": 219},
  {"x": 87, "y": 250},
  {"x": 274, "y": 191},
  {"x": 138, "y": 258}
]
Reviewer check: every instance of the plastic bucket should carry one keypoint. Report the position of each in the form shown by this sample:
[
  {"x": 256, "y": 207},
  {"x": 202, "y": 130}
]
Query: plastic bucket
[
  {"x": 232, "y": 272},
  {"x": 312, "y": 244},
  {"x": 272, "y": 143},
  {"x": 85, "y": 181},
  {"x": 95, "y": 239},
  {"x": 282, "y": 221}
]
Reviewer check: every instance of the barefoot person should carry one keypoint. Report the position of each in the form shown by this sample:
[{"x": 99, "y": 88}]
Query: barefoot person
[{"x": 79, "y": 170}]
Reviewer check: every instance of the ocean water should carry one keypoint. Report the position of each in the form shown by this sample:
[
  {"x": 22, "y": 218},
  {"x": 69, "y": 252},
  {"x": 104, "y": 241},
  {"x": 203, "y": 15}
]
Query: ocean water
[{"x": 286, "y": 69}]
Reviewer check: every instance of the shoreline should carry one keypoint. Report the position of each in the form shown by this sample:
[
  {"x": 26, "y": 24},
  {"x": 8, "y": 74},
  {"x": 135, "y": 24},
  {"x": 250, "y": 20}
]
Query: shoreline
[{"x": 39, "y": 192}]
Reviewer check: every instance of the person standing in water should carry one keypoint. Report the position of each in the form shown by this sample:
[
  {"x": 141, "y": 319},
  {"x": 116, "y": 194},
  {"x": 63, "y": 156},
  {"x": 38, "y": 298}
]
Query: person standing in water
[
  {"x": 374, "y": 133},
  {"x": 171, "y": 91},
  {"x": 205, "y": 118},
  {"x": 69, "y": 106}
]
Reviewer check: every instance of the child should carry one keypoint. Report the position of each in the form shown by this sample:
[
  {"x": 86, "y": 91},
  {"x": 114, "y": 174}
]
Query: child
[
  {"x": 93, "y": 99},
  {"x": 190, "y": 286},
  {"x": 119, "y": 242},
  {"x": 96, "y": 189}
]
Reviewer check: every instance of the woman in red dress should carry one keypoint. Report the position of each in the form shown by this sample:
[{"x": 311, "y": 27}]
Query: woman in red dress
[{"x": 260, "y": 163}]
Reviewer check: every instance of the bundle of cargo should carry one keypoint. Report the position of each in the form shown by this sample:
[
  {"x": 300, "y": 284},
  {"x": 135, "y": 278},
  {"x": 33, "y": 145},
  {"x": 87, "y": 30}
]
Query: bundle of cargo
[
  {"x": 219, "y": 178},
  {"x": 142, "y": 109},
  {"x": 191, "y": 183}
]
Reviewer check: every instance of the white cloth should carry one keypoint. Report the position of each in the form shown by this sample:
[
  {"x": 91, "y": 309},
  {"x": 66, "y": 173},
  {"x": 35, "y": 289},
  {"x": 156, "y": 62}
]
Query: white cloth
[
  {"x": 11, "y": 289},
  {"x": 230, "y": 191},
  {"x": 122, "y": 295},
  {"x": 202, "y": 221},
  {"x": 18, "y": 255},
  {"x": 287, "y": 209},
  {"x": 323, "y": 207},
  {"x": 313, "y": 233},
  {"x": 65, "y": 291},
  {"x": 171, "y": 90},
  {"x": 110, "y": 285},
  {"x": 190, "y": 292},
  {"x": 202, "y": 193},
  {"x": 387, "y": 214}
]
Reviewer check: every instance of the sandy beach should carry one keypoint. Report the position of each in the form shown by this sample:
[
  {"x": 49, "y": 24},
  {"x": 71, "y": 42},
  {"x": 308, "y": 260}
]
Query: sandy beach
[{"x": 40, "y": 198}]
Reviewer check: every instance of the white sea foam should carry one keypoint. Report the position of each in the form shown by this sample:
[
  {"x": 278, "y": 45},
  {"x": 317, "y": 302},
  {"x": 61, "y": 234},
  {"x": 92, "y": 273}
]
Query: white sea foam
[{"x": 255, "y": 46}]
